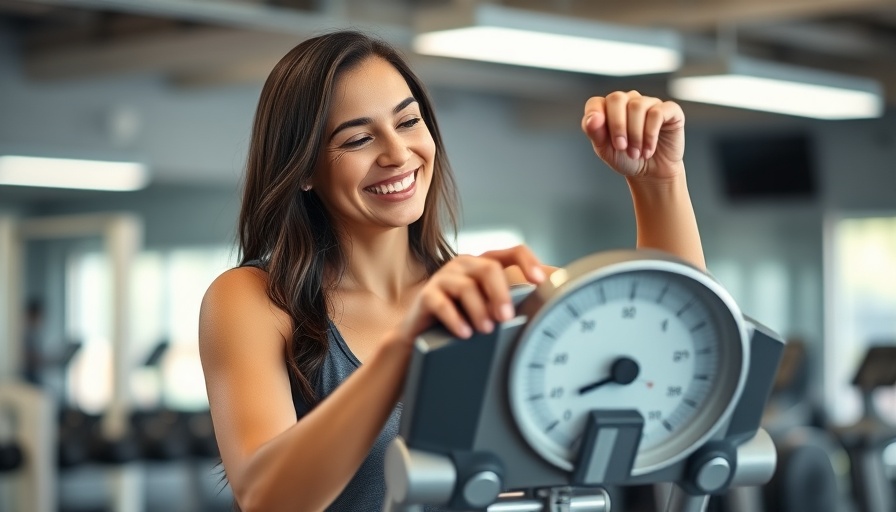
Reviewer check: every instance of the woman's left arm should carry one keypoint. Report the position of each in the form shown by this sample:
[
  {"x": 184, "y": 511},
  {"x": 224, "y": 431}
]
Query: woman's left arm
[{"x": 642, "y": 138}]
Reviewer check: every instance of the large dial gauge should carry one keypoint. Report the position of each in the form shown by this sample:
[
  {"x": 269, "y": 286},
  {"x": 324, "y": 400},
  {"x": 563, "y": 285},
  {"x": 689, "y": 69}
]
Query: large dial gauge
[{"x": 627, "y": 330}]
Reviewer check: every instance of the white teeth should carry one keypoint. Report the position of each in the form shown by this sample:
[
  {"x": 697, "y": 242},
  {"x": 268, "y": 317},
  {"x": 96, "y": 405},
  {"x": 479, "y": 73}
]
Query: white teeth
[{"x": 391, "y": 188}]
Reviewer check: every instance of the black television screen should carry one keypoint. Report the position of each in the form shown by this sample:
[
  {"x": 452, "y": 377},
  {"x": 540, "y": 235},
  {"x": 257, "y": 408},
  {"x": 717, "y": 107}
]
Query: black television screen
[{"x": 765, "y": 166}]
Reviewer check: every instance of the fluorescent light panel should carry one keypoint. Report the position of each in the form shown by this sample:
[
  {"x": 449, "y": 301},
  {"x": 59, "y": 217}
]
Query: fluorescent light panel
[
  {"x": 772, "y": 87},
  {"x": 33, "y": 171},
  {"x": 512, "y": 36}
]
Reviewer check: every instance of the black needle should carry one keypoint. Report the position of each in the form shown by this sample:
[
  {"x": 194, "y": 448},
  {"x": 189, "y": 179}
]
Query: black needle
[{"x": 624, "y": 371}]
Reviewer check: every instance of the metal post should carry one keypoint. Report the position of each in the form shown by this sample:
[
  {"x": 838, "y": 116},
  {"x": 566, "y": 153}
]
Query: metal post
[
  {"x": 123, "y": 239},
  {"x": 123, "y": 235},
  {"x": 10, "y": 299}
]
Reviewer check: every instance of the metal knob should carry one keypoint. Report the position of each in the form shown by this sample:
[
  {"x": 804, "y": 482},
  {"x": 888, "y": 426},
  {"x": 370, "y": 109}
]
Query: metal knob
[{"x": 482, "y": 489}]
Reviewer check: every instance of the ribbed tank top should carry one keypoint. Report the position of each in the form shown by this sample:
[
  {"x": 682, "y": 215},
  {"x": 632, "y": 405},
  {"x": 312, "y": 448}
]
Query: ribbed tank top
[{"x": 366, "y": 491}]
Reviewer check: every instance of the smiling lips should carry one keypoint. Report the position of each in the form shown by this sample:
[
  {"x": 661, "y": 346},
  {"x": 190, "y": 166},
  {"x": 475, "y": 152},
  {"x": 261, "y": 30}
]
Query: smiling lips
[{"x": 394, "y": 187}]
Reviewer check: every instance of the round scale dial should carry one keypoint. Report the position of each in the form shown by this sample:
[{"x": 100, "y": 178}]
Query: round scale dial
[{"x": 655, "y": 336}]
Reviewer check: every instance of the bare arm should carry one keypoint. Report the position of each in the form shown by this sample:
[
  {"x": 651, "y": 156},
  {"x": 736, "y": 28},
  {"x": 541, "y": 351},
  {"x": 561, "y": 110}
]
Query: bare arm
[
  {"x": 642, "y": 138},
  {"x": 665, "y": 218},
  {"x": 274, "y": 462}
]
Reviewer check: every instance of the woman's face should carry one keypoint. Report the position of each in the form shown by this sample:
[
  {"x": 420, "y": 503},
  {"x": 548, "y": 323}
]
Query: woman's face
[{"x": 377, "y": 159}]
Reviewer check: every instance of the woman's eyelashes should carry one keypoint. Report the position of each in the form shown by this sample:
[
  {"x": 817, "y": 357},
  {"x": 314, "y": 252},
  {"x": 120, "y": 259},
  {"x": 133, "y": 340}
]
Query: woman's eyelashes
[
  {"x": 363, "y": 139},
  {"x": 410, "y": 123},
  {"x": 354, "y": 143}
]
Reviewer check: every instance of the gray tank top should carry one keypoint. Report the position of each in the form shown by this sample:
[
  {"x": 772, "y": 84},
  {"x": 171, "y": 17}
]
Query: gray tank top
[{"x": 367, "y": 489}]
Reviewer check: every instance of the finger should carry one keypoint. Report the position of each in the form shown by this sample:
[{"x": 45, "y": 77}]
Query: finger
[
  {"x": 617, "y": 119},
  {"x": 653, "y": 121},
  {"x": 494, "y": 286},
  {"x": 673, "y": 116},
  {"x": 594, "y": 122},
  {"x": 466, "y": 292},
  {"x": 637, "y": 109},
  {"x": 523, "y": 257},
  {"x": 488, "y": 271},
  {"x": 443, "y": 308},
  {"x": 473, "y": 303}
]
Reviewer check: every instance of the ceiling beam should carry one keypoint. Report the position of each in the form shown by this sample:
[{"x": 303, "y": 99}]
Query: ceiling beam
[
  {"x": 164, "y": 52},
  {"x": 694, "y": 14},
  {"x": 203, "y": 56},
  {"x": 248, "y": 15}
]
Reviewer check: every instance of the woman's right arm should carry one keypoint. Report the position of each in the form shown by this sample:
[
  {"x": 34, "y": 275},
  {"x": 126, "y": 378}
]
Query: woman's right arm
[{"x": 273, "y": 462}]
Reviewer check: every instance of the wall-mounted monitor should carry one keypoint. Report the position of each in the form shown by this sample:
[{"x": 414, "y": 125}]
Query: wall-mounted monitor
[{"x": 762, "y": 166}]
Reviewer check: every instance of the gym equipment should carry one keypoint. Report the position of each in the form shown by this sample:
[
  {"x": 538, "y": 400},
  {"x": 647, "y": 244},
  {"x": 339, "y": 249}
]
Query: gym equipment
[
  {"x": 812, "y": 471},
  {"x": 160, "y": 431},
  {"x": 168, "y": 434},
  {"x": 871, "y": 436},
  {"x": 75, "y": 431},
  {"x": 75, "y": 426},
  {"x": 11, "y": 457},
  {"x": 27, "y": 438},
  {"x": 201, "y": 433},
  {"x": 623, "y": 368}
]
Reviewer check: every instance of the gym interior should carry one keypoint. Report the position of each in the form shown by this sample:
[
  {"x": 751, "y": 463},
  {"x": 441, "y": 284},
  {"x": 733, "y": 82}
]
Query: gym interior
[{"x": 103, "y": 405}]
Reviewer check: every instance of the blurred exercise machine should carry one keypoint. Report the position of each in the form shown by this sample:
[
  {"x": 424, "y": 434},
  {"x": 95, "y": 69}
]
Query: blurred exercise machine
[
  {"x": 871, "y": 441},
  {"x": 166, "y": 433},
  {"x": 813, "y": 467}
]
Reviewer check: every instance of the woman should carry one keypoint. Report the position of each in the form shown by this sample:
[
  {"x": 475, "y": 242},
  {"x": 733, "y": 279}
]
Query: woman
[{"x": 305, "y": 345}]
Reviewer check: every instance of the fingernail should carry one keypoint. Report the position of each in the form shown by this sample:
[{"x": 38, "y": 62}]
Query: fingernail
[
  {"x": 538, "y": 274},
  {"x": 648, "y": 153},
  {"x": 465, "y": 331},
  {"x": 588, "y": 119},
  {"x": 506, "y": 312},
  {"x": 488, "y": 326},
  {"x": 621, "y": 143},
  {"x": 635, "y": 153}
]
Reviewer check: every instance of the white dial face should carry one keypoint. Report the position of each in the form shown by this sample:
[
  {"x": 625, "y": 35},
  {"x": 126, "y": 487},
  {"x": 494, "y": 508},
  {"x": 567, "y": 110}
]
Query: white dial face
[{"x": 642, "y": 340}]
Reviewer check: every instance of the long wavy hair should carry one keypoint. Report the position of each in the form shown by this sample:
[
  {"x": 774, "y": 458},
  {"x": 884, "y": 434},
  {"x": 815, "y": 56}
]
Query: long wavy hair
[{"x": 289, "y": 231}]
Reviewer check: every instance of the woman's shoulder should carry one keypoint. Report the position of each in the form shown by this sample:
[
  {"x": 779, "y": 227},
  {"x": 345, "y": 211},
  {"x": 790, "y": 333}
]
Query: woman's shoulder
[
  {"x": 240, "y": 281},
  {"x": 240, "y": 296}
]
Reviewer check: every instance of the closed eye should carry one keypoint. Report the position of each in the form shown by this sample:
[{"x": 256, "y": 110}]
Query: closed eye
[
  {"x": 357, "y": 142},
  {"x": 410, "y": 123}
]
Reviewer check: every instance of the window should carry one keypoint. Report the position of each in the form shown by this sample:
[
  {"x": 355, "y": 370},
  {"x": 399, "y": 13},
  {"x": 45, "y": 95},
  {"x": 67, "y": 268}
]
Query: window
[
  {"x": 480, "y": 241},
  {"x": 167, "y": 289},
  {"x": 860, "y": 309}
]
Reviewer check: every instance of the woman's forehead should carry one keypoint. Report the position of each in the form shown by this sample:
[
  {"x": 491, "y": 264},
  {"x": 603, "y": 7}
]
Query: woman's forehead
[{"x": 371, "y": 88}]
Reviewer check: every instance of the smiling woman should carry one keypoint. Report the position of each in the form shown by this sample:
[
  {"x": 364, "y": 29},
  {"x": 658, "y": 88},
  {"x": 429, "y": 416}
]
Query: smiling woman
[
  {"x": 378, "y": 163},
  {"x": 344, "y": 262}
]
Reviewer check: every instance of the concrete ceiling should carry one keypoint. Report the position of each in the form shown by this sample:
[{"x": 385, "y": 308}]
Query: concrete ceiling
[{"x": 200, "y": 43}]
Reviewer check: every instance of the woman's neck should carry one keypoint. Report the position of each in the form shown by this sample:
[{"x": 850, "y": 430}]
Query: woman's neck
[{"x": 381, "y": 264}]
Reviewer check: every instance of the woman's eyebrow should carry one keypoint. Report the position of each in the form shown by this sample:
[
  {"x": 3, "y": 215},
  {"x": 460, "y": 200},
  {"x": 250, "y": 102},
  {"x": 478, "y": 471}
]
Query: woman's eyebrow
[{"x": 361, "y": 121}]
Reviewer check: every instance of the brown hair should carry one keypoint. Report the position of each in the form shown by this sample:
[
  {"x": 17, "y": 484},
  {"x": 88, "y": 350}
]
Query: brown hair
[{"x": 288, "y": 230}]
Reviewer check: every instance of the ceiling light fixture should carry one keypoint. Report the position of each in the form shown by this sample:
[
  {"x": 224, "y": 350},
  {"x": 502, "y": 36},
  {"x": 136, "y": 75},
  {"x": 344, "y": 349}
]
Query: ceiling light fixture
[
  {"x": 513, "y": 36},
  {"x": 30, "y": 171},
  {"x": 773, "y": 87}
]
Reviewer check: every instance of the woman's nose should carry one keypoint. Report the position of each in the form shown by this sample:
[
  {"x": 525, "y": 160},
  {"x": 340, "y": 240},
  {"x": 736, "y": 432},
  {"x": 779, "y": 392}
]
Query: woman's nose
[{"x": 394, "y": 152}]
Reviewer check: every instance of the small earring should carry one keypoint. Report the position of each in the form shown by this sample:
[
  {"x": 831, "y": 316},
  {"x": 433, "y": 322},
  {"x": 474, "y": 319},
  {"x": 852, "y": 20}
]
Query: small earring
[{"x": 306, "y": 188}]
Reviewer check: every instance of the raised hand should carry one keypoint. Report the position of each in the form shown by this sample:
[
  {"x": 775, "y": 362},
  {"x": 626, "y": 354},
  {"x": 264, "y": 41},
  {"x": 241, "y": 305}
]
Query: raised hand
[{"x": 637, "y": 136}]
